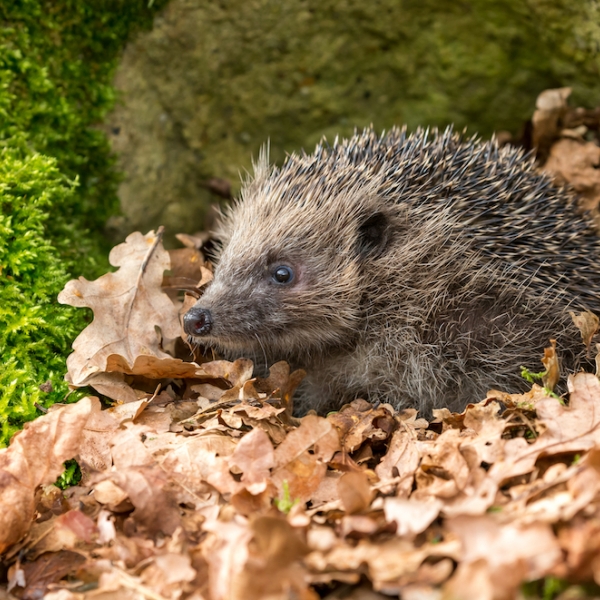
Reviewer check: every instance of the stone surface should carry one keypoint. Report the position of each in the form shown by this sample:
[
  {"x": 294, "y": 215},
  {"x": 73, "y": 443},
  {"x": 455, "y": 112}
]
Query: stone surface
[{"x": 213, "y": 81}]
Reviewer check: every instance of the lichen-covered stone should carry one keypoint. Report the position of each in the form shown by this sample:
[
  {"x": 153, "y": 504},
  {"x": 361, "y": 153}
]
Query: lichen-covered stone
[{"x": 214, "y": 80}]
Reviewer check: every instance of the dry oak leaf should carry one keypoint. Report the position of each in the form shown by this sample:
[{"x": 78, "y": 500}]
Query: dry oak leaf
[
  {"x": 35, "y": 457},
  {"x": 48, "y": 569},
  {"x": 444, "y": 470},
  {"x": 355, "y": 492},
  {"x": 557, "y": 503},
  {"x": 255, "y": 457},
  {"x": 572, "y": 428},
  {"x": 198, "y": 460},
  {"x": 128, "y": 306},
  {"x": 504, "y": 555},
  {"x": 588, "y": 324},
  {"x": 168, "y": 574},
  {"x": 576, "y": 163},
  {"x": 359, "y": 421},
  {"x": 401, "y": 461},
  {"x": 386, "y": 562},
  {"x": 64, "y": 532},
  {"x": 188, "y": 270},
  {"x": 252, "y": 561},
  {"x": 302, "y": 469},
  {"x": 148, "y": 490},
  {"x": 411, "y": 516}
]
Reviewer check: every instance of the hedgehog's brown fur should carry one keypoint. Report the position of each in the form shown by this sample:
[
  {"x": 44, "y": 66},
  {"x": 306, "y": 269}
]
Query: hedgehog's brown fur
[{"x": 429, "y": 268}]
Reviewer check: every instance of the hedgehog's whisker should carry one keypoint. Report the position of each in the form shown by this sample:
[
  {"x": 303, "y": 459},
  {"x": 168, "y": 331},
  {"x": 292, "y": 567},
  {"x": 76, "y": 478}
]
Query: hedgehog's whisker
[{"x": 263, "y": 350}]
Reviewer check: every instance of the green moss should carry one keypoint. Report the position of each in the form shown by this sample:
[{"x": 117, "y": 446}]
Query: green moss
[
  {"x": 35, "y": 334},
  {"x": 57, "y": 181}
]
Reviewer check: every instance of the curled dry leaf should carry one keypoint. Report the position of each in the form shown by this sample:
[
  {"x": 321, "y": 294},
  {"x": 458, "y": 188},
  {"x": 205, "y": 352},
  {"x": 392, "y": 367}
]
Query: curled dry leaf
[
  {"x": 587, "y": 323},
  {"x": 570, "y": 428},
  {"x": 551, "y": 365},
  {"x": 35, "y": 457},
  {"x": 297, "y": 464},
  {"x": 355, "y": 492},
  {"x": 360, "y": 421}
]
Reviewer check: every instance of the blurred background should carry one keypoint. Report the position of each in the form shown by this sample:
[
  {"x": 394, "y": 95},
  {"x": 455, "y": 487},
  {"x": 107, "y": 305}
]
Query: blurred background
[{"x": 213, "y": 80}]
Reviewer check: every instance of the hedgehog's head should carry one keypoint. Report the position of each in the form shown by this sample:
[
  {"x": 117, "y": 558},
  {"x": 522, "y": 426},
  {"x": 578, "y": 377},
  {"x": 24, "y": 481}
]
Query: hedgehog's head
[{"x": 296, "y": 247}]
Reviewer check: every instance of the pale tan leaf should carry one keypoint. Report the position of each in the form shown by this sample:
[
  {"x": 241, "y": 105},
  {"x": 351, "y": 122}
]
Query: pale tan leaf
[
  {"x": 401, "y": 460},
  {"x": 355, "y": 492},
  {"x": 294, "y": 464},
  {"x": 35, "y": 457},
  {"x": 255, "y": 457},
  {"x": 587, "y": 323},
  {"x": 411, "y": 516},
  {"x": 552, "y": 366},
  {"x": 504, "y": 554},
  {"x": 570, "y": 428},
  {"x": 129, "y": 307}
]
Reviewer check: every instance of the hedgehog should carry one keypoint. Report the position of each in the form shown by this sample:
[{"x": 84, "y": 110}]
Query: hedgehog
[{"x": 419, "y": 270}]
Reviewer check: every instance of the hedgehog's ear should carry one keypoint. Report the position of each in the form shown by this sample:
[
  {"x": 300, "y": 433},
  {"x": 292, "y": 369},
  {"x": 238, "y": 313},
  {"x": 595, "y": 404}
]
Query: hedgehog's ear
[{"x": 373, "y": 235}]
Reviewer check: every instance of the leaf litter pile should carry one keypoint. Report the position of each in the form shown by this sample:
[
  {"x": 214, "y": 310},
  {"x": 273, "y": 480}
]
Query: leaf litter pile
[{"x": 198, "y": 483}]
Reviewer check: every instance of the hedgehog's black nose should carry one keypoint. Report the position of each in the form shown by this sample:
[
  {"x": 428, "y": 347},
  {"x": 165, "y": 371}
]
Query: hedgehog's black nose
[{"x": 197, "y": 321}]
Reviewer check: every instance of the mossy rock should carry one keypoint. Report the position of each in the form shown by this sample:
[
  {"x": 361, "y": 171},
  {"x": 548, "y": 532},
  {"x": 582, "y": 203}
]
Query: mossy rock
[
  {"x": 213, "y": 81},
  {"x": 57, "y": 182}
]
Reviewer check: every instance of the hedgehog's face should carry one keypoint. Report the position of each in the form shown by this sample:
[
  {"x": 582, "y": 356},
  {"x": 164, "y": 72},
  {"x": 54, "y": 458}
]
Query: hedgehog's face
[
  {"x": 285, "y": 287},
  {"x": 281, "y": 302}
]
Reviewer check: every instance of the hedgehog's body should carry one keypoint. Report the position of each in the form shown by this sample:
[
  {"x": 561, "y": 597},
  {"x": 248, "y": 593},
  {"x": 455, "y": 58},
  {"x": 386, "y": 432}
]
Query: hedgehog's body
[{"x": 417, "y": 270}]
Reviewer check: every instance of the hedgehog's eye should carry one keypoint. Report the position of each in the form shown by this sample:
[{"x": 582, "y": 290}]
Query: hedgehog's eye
[{"x": 282, "y": 275}]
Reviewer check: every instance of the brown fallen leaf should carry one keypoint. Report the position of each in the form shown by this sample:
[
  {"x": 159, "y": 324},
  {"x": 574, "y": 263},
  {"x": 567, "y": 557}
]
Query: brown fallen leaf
[
  {"x": 401, "y": 461},
  {"x": 65, "y": 532},
  {"x": 565, "y": 429},
  {"x": 359, "y": 421},
  {"x": 411, "y": 516},
  {"x": 169, "y": 574},
  {"x": 551, "y": 108},
  {"x": 128, "y": 306},
  {"x": 552, "y": 366},
  {"x": 587, "y": 323},
  {"x": 251, "y": 561},
  {"x": 498, "y": 557},
  {"x": 355, "y": 492},
  {"x": 35, "y": 457},
  {"x": 576, "y": 163},
  {"x": 255, "y": 457},
  {"x": 188, "y": 271},
  {"x": 386, "y": 561},
  {"x": 294, "y": 464},
  {"x": 444, "y": 470},
  {"x": 48, "y": 569},
  {"x": 147, "y": 490},
  {"x": 236, "y": 373}
]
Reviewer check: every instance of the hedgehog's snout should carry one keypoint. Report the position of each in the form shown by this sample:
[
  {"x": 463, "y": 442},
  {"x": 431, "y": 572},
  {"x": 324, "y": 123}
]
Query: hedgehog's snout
[{"x": 197, "y": 321}]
